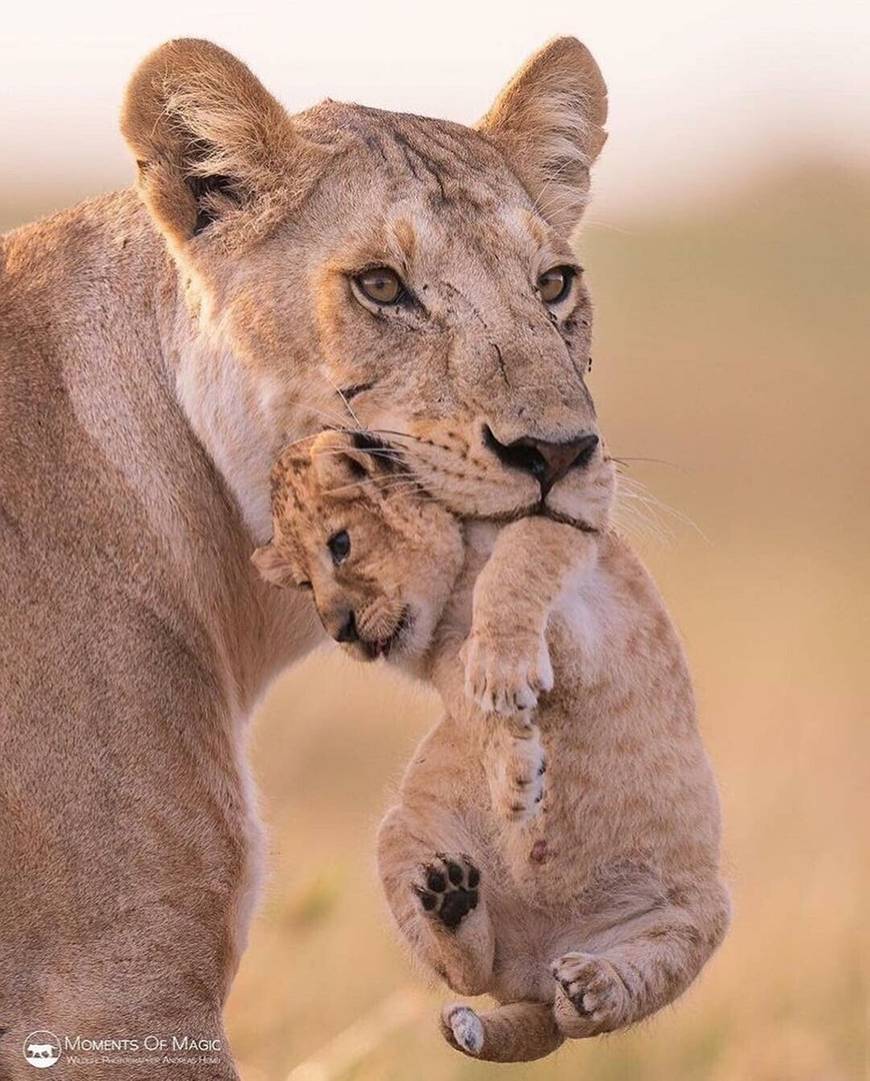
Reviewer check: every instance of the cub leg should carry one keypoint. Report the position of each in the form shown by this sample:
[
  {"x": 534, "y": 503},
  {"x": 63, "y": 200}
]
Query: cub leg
[
  {"x": 507, "y": 662},
  {"x": 517, "y": 1032},
  {"x": 438, "y": 899},
  {"x": 515, "y": 766},
  {"x": 632, "y": 977}
]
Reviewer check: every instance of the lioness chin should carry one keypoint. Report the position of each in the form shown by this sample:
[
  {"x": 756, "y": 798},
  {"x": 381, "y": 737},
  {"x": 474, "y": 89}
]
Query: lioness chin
[{"x": 157, "y": 348}]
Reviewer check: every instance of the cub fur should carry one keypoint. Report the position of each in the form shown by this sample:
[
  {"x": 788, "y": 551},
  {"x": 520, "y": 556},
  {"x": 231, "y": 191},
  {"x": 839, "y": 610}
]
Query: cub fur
[{"x": 566, "y": 865}]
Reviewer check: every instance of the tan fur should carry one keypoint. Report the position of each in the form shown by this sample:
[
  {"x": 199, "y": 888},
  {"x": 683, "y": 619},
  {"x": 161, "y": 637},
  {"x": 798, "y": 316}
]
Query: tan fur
[
  {"x": 157, "y": 349},
  {"x": 299, "y": 204},
  {"x": 599, "y": 897},
  {"x": 560, "y": 96}
]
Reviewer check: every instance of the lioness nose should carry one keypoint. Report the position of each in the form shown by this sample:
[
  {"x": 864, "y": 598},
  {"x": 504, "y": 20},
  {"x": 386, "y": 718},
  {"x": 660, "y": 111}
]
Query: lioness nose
[
  {"x": 347, "y": 631},
  {"x": 547, "y": 462}
]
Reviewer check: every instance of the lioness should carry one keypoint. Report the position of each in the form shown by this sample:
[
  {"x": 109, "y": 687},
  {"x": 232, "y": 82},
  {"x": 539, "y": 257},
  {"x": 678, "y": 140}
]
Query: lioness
[
  {"x": 158, "y": 348},
  {"x": 601, "y": 908}
]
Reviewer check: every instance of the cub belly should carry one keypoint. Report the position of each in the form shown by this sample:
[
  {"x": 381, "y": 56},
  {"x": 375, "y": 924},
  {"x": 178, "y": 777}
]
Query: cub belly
[{"x": 620, "y": 740}]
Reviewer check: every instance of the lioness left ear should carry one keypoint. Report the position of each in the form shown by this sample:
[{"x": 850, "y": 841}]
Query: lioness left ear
[
  {"x": 272, "y": 566},
  {"x": 549, "y": 124},
  {"x": 208, "y": 138}
]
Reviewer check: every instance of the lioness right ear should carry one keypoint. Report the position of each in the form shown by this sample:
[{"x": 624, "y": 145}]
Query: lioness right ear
[
  {"x": 208, "y": 139},
  {"x": 549, "y": 124}
]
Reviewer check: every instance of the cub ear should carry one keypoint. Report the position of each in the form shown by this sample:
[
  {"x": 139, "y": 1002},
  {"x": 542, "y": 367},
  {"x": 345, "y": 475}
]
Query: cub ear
[
  {"x": 208, "y": 139},
  {"x": 272, "y": 565},
  {"x": 344, "y": 460},
  {"x": 549, "y": 124}
]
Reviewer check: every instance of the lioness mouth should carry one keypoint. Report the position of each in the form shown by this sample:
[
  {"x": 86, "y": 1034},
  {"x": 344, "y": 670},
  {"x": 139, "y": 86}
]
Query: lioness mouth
[{"x": 578, "y": 523}]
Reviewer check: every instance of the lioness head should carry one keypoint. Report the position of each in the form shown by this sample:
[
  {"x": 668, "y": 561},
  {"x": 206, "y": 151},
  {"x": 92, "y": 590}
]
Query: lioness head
[
  {"x": 378, "y": 554},
  {"x": 352, "y": 266}
]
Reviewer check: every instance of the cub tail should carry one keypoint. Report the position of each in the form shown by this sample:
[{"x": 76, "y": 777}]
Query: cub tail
[{"x": 516, "y": 1032}]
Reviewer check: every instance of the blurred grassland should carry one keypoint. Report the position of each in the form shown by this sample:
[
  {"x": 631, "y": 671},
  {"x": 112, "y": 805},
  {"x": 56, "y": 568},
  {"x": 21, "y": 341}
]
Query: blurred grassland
[{"x": 733, "y": 345}]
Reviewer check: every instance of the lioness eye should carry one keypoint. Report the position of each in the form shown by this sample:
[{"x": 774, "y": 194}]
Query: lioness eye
[
  {"x": 553, "y": 285},
  {"x": 339, "y": 547},
  {"x": 304, "y": 585},
  {"x": 381, "y": 285}
]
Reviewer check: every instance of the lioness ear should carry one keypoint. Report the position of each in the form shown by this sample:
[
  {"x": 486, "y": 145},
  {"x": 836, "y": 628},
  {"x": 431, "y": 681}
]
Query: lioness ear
[
  {"x": 208, "y": 138},
  {"x": 344, "y": 460},
  {"x": 548, "y": 122},
  {"x": 272, "y": 565}
]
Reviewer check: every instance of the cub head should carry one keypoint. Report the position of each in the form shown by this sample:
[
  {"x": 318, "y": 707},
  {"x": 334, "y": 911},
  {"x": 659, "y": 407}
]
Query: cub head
[
  {"x": 352, "y": 525},
  {"x": 349, "y": 266}
]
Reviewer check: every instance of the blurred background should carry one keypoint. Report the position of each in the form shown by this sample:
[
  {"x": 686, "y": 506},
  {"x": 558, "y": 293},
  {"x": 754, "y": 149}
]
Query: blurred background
[{"x": 728, "y": 248}]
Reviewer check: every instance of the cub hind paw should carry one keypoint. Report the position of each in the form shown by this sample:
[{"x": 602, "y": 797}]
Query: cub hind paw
[
  {"x": 516, "y": 769},
  {"x": 592, "y": 996},
  {"x": 449, "y": 889},
  {"x": 463, "y": 1029}
]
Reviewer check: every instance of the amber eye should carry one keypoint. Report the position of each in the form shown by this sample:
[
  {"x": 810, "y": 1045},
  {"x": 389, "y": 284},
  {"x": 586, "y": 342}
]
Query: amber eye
[
  {"x": 381, "y": 285},
  {"x": 339, "y": 547},
  {"x": 553, "y": 285}
]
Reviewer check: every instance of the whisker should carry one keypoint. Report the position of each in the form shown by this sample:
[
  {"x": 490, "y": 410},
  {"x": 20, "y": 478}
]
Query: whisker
[
  {"x": 374, "y": 452},
  {"x": 296, "y": 442},
  {"x": 600, "y": 223},
  {"x": 333, "y": 419},
  {"x": 639, "y": 491},
  {"x": 408, "y": 487},
  {"x": 638, "y": 522},
  {"x": 347, "y": 404},
  {"x": 656, "y": 461},
  {"x": 337, "y": 420},
  {"x": 384, "y": 451},
  {"x": 400, "y": 435},
  {"x": 421, "y": 495},
  {"x": 377, "y": 482}
]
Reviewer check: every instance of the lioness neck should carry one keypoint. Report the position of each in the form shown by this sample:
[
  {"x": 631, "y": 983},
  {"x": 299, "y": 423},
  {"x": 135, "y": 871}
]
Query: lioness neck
[{"x": 109, "y": 385}]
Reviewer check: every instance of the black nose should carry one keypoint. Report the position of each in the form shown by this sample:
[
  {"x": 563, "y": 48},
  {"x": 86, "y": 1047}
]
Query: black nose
[
  {"x": 547, "y": 462},
  {"x": 347, "y": 631}
]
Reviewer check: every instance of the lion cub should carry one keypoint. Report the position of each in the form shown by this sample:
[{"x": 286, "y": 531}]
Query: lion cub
[{"x": 586, "y": 910}]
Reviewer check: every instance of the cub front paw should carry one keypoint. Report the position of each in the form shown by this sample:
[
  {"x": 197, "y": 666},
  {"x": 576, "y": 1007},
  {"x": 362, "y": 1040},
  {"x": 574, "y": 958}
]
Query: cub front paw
[
  {"x": 507, "y": 673},
  {"x": 595, "y": 991},
  {"x": 449, "y": 889}
]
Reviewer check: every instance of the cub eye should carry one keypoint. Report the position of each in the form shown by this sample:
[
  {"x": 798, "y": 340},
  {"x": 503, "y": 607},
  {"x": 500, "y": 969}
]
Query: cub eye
[
  {"x": 339, "y": 547},
  {"x": 380, "y": 285},
  {"x": 553, "y": 285}
]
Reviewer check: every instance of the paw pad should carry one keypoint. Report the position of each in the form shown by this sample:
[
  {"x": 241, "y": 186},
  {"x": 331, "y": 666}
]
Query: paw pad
[{"x": 449, "y": 889}]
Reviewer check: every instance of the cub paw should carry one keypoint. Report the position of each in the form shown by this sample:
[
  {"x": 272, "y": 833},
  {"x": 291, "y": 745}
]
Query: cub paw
[
  {"x": 462, "y": 1029},
  {"x": 449, "y": 889},
  {"x": 516, "y": 769},
  {"x": 595, "y": 991},
  {"x": 505, "y": 675}
]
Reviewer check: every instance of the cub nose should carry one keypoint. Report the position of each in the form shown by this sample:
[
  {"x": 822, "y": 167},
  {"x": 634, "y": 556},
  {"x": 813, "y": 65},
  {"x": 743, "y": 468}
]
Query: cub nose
[
  {"x": 347, "y": 631},
  {"x": 547, "y": 462}
]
